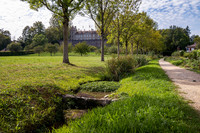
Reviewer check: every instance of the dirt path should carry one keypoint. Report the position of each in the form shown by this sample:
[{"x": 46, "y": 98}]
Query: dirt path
[{"x": 188, "y": 82}]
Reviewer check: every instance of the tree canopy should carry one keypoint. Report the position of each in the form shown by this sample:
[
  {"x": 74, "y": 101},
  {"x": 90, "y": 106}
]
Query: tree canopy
[{"x": 66, "y": 9}]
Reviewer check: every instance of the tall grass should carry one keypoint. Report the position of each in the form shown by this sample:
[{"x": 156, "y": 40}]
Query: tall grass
[{"x": 153, "y": 105}]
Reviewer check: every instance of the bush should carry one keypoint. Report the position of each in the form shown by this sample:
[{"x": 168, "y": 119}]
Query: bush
[
  {"x": 112, "y": 50},
  {"x": 116, "y": 68},
  {"x": 140, "y": 60},
  {"x": 14, "y": 47},
  {"x": 38, "y": 49},
  {"x": 101, "y": 86},
  {"x": 51, "y": 48},
  {"x": 16, "y": 53},
  {"x": 82, "y": 48},
  {"x": 177, "y": 62},
  {"x": 181, "y": 53},
  {"x": 93, "y": 48},
  {"x": 177, "y": 53}
]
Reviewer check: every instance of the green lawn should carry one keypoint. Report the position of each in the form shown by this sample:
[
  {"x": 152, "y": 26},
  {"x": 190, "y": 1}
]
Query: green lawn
[
  {"x": 153, "y": 105},
  {"x": 29, "y": 86}
]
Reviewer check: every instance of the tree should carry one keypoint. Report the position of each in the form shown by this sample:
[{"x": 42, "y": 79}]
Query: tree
[
  {"x": 14, "y": 47},
  {"x": 5, "y": 38},
  {"x": 51, "y": 48},
  {"x": 102, "y": 13},
  {"x": 82, "y": 48},
  {"x": 175, "y": 38},
  {"x": 38, "y": 28},
  {"x": 119, "y": 20},
  {"x": 66, "y": 9},
  {"x": 39, "y": 40},
  {"x": 27, "y": 35},
  {"x": 38, "y": 49},
  {"x": 4, "y": 41},
  {"x": 197, "y": 41}
]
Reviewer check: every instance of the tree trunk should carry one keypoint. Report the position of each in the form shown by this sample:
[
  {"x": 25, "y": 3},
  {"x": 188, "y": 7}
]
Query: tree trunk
[
  {"x": 102, "y": 45},
  {"x": 118, "y": 50},
  {"x": 126, "y": 47},
  {"x": 132, "y": 48},
  {"x": 65, "y": 36},
  {"x": 137, "y": 48}
]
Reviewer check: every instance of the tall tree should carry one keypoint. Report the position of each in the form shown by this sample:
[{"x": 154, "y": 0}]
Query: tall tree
[
  {"x": 118, "y": 22},
  {"x": 38, "y": 28},
  {"x": 66, "y": 9},
  {"x": 5, "y": 38},
  {"x": 102, "y": 13}
]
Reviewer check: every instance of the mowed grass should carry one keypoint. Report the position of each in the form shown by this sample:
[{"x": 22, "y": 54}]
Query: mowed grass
[
  {"x": 153, "y": 105},
  {"x": 30, "y": 88},
  {"x": 35, "y": 70}
]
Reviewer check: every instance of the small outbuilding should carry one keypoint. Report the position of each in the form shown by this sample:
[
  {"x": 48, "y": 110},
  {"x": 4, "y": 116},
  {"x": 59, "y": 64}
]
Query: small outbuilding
[{"x": 190, "y": 48}]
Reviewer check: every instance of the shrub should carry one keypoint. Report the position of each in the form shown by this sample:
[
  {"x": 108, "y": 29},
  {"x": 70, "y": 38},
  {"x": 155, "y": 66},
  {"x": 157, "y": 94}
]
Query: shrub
[
  {"x": 177, "y": 62},
  {"x": 194, "y": 54},
  {"x": 140, "y": 60},
  {"x": 181, "y": 53},
  {"x": 14, "y": 47},
  {"x": 119, "y": 68},
  {"x": 82, "y": 48},
  {"x": 112, "y": 50},
  {"x": 177, "y": 53},
  {"x": 38, "y": 49},
  {"x": 186, "y": 54},
  {"x": 51, "y": 48},
  {"x": 101, "y": 86},
  {"x": 93, "y": 48}
]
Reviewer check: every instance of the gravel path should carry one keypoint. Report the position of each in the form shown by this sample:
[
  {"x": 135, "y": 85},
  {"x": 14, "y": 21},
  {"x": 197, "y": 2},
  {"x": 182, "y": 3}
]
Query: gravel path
[{"x": 188, "y": 82}]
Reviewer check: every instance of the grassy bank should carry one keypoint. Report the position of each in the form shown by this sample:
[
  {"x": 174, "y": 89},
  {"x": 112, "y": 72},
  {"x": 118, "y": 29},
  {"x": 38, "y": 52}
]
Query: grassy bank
[
  {"x": 153, "y": 105},
  {"x": 29, "y": 88},
  {"x": 190, "y": 64}
]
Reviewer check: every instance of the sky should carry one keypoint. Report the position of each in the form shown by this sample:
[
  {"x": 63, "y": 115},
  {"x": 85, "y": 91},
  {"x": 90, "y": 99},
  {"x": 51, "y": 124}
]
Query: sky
[{"x": 15, "y": 15}]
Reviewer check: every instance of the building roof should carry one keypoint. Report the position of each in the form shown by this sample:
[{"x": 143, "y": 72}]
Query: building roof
[{"x": 192, "y": 46}]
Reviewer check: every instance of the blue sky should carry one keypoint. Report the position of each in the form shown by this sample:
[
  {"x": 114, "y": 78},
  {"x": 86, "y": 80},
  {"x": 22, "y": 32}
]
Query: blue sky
[{"x": 15, "y": 15}]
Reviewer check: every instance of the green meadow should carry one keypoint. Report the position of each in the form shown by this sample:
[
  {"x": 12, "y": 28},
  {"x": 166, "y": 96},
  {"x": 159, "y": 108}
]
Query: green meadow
[{"x": 30, "y": 88}]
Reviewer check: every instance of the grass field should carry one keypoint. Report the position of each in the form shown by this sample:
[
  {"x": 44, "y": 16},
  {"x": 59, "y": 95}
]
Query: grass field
[
  {"x": 29, "y": 84},
  {"x": 30, "y": 100},
  {"x": 153, "y": 105}
]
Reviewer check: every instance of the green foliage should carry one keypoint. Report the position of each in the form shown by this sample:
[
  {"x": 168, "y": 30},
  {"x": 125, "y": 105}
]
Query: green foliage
[
  {"x": 51, "y": 48},
  {"x": 39, "y": 40},
  {"x": 141, "y": 60},
  {"x": 5, "y": 39},
  {"x": 38, "y": 49},
  {"x": 29, "y": 108},
  {"x": 176, "y": 53},
  {"x": 16, "y": 53},
  {"x": 152, "y": 106},
  {"x": 177, "y": 62},
  {"x": 118, "y": 68},
  {"x": 112, "y": 49},
  {"x": 14, "y": 47},
  {"x": 70, "y": 47},
  {"x": 181, "y": 53},
  {"x": 101, "y": 86},
  {"x": 82, "y": 48},
  {"x": 189, "y": 63},
  {"x": 175, "y": 37},
  {"x": 93, "y": 48}
]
